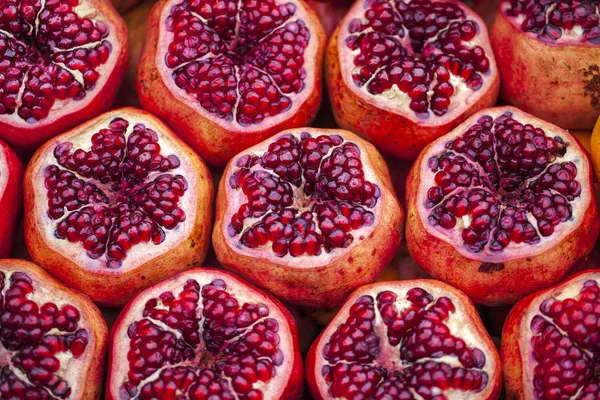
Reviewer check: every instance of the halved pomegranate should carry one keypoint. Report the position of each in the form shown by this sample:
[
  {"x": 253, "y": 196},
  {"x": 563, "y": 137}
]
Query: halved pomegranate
[
  {"x": 548, "y": 57},
  {"x": 501, "y": 206},
  {"x": 11, "y": 181},
  {"x": 116, "y": 205},
  {"x": 204, "y": 334},
  {"x": 61, "y": 63},
  {"x": 52, "y": 339},
  {"x": 402, "y": 73},
  {"x": 309, "y": 214},
  {"x": 226, "y": 74},
  {"x": 551, "y": 342},
  {"x": 419, "y": 339}
]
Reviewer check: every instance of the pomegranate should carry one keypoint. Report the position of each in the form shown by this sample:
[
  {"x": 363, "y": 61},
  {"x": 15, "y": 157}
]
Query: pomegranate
[
  {"x": 417, "y": 339},
  {"x": 550, "y": 342},
  {"x": 61, "y": 63},
  {"x": 501, "y": 206},
  {"x": 227, "y": 74},
  {"x": 11, "y": 179},
  {"x": 52, "y": 339},
  {"x": 402, "y": 73},
  {"x": 309, "y": 214},
  {"x": 204, "y": 334},
  {"x": 116, "y": 205},
  {"x": 548, "y": 52}
]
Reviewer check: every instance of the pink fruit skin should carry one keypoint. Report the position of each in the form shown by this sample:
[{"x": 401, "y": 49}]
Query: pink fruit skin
[
  {"x": 552, "y": 82},
  {"x": 10, "y": 200}
]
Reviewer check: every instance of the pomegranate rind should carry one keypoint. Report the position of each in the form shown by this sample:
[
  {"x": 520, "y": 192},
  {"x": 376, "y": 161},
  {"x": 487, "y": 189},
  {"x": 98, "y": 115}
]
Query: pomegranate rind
[
  {"x": 470, "y": 329},
  {"x": 290, "y": 375},
  {"x": 22, "y": 134},
  {"x": 553, "y": 81},
  {"x": 11, "y": 196},
  {"x": 318, "y": 281},
  {"x": 217, "y": 140},
  {"x": 395, "y": 129},
  {"x": 146, "y": 264},
  {"x": 517, "y": 361},
  {"x": 541, "y": 266},
  {"x": 89, "y": 370}
]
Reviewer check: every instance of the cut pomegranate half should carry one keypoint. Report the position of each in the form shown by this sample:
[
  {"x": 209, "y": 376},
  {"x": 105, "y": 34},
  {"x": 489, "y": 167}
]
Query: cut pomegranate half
[
  {"x": 501, "y": 206},
  {"x": 116, "y": 205},
  {"x": 419, "y": 339},
  {"x": 309, "y": 214},
  {"x": 61, "y": 63},
  {"x": 227, "y": 74},
  {"x": 11, "y": 181},
  {"x": 551, "y": 342},
  {"x": 402, "y": 73},
  {"x": 52, "y": 339},
  {"x": 204, "y": 334}
]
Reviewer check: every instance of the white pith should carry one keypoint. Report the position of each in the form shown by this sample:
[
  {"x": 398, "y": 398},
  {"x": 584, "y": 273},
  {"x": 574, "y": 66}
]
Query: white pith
[
  {"x": 237, "y": 289},
  {"x": 142, "y": 252},
  {"x": 62, "y": 108},
  {"x": 395, "y": 100},
  {"x": 460, "y": 324},
  {"x": 297, "y": 99},
  {"x": 237, "y": 198},
  {"x": 514, "y": 250}
]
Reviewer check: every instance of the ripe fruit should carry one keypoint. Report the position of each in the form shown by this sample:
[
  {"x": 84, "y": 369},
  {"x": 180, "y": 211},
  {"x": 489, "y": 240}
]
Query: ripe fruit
[
  {"x": 11, "y": 180},
  {"x": 52, "y": 340},
  {"x": 116, "y": 205},
  {"x": 204, "y": 334},
  {"x": 550, "y": 342},
  {"x": 595, "y": 149},
  {"x": 61, "y": 63},
  {"x": 548, "y": 54},
  {"x": 501, "y": 206},
  {"x": 309, "y": 214},
  {"x": 405, "y": 340},
  {"x": 226, "y": 81},
  {"x": 401, "y": 80}
]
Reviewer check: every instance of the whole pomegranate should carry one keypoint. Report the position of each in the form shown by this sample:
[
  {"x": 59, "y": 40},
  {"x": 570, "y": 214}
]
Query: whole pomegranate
[
  {"x": 416, "y": 339},
  {"x": 309, "y": 214},
  {"x": 61, "y": 63},
  {"x": 52, "y": 339},
  {"x": 227, "y": 74},
  {"x": 501, "y": 206},
  {"x": 402, "y": 73},
  {"x": 11, "y": 180},
  {"x": 548, "y": 56},
  {"x": 116, "y": 205},
  {"x": 551, "y": 342},
  {"x": 204, "y": 334}
]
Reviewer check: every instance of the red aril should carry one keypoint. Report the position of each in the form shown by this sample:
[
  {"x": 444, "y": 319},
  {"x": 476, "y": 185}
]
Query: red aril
[
  {"x": 116, "y": 205},
  {"x": 416, "y": 339},
  {"x": 402, "y": 73},
  {"x": 204, "y": 334},
  {"x": 309, "y": 214},
  {"x": 11, "y": 181},
  {"x": 548, "y": 52},
  {"x": 501, "y": 206},
  {"x": 550, "y": 342},
  {"x": 227, "y": 74},
  {"x": 52, "y": 339},
  {"x": 61, "y": 63}
]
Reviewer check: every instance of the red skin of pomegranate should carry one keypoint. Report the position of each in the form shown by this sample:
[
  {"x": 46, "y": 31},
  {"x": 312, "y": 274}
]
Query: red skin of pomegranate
[
  {"x": 11, "y": 179},
  {"x": 185, "y": 245},
  {"x": 286, "y": 383},
  {"x": 554, "y": 80},
  {"x": 534, "y": 324},
  {"x": 389, "y": 123},
  {"x": 496, "y": 277},
  {"x": 216, "y": 139},
  {"x": 322, "y": 280},
  {"x": 460, "y": 324},
  {"x": 83, "y": 374},
  {"x": 23, "y": 134}
]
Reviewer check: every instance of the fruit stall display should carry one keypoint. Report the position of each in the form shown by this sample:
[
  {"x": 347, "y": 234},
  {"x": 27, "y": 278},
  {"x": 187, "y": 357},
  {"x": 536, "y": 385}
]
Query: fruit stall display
[{"x": 299, "y": 199}]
